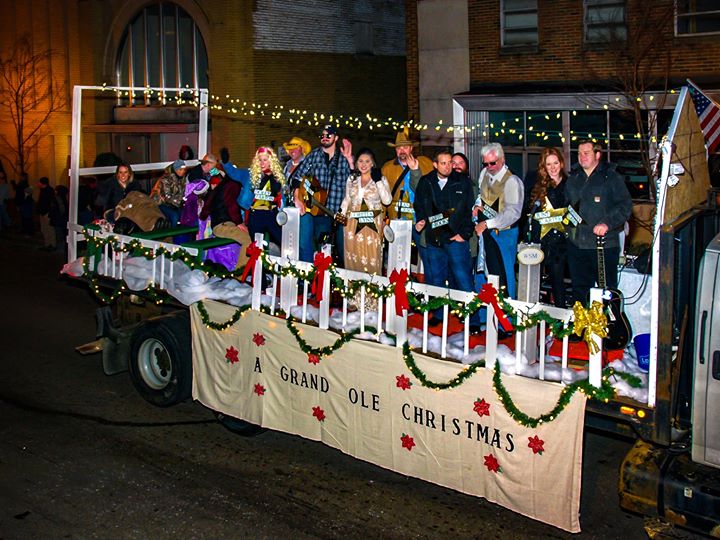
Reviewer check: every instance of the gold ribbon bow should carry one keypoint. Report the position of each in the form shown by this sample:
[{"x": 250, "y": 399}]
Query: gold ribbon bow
[{"x": 591, "y": 321}]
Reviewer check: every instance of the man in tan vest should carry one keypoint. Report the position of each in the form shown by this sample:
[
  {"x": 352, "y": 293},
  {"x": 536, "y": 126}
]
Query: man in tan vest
[
  {"x": 403, "y": 174},
  {"x": 498, "y": 207}
]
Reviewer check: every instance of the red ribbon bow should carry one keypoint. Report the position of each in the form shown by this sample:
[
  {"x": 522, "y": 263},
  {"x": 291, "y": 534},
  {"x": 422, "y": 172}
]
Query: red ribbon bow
[
  {"x": 253, "y": 253},
  {"x": 488, "y": 295},
  {"x": 322, "y": 262},
  {"x": 399, "y": 279}
]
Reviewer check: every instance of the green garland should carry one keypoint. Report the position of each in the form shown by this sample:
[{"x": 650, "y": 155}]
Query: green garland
[
  {"x": 135, "y": 248},
  {"x": 604, "y": 393},
  {"x": 452, "y": 383},
  {"x": 350, "y": 289},
  {"x": 319, "y": 351},
  {"x": 205, "y": 317},
  {"x": 460, "y": 309}
]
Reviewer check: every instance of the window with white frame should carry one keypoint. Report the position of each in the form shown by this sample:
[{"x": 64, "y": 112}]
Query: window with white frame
[
  {"x": 605, "y": 21},
  {"x": 519, "y": 21},
  {"x": 162, "y": 47},
  {"x": 693, "y": 17}
]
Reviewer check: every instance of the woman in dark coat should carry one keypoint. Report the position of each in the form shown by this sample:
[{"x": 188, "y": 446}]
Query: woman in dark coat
[{"x": 548, "y": 193}]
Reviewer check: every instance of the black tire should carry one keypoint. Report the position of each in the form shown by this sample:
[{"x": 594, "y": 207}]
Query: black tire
[
  {"x": 239, "y": 427},
  {"x": 161, "y": 359}
]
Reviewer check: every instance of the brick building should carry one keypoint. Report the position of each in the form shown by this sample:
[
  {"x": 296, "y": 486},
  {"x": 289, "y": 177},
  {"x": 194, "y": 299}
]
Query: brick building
[
  {"x": 535, "y": 73},
  {"x": 326, "y": 57}
]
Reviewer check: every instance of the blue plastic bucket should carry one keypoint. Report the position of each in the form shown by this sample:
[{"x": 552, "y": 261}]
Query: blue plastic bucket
[{"x": 642, "y": 350}]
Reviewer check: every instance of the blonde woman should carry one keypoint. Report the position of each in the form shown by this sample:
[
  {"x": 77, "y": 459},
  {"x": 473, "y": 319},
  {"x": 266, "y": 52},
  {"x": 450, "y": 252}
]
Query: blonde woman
[{"x": 268, "y": 184}]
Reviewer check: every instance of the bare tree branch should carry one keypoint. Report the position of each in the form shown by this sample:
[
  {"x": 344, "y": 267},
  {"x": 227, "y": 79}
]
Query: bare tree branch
[
  {"x": 642, "y": 61},
  {"x": 29, "y": 95}
]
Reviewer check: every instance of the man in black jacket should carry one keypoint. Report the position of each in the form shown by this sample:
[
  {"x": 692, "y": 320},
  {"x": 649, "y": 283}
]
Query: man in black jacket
[
  {"x": 443, "y": 209},
  {"x": 600, "y": 196}
]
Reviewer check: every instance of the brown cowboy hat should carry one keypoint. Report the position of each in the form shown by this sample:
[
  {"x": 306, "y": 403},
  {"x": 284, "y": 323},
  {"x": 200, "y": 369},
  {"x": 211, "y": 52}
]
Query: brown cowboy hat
[{"x": 402, "y": 139}]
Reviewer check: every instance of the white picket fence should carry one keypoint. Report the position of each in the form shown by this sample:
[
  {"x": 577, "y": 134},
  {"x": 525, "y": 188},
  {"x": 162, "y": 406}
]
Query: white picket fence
[{"x": 292, "y": 294}]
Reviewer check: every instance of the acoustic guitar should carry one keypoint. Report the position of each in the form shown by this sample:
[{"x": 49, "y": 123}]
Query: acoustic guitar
[
  {"x": 315, "y": 196},
  {"x": 619, "y": 331}
]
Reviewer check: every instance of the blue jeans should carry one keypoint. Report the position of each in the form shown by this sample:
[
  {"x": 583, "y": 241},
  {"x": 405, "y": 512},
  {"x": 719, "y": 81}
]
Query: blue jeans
[
  {"x": 311, "y": 230},
  {"x": 451, "y": 260},
  {"x": 421, "y": 251},
  {"x": 507, "y": 242},
  {"x": 171, "y": 213}
]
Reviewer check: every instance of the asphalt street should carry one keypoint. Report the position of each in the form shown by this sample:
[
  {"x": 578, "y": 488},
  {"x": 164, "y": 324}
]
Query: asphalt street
[{"x": 83, "y": 456}]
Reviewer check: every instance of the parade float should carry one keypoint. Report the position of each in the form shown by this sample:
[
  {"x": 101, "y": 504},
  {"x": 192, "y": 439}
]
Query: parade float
[{"x": 276, "y": 346}]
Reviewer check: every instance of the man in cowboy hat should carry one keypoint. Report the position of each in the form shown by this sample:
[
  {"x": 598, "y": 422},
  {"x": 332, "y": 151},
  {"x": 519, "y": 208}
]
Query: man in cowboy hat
[
  {"x": 297, "y": 149},
  {"x": 403, "y": 174}
]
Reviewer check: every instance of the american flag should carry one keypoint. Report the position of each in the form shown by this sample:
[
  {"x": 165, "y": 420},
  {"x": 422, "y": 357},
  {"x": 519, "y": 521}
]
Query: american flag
[{"x": 709, "y": 115}]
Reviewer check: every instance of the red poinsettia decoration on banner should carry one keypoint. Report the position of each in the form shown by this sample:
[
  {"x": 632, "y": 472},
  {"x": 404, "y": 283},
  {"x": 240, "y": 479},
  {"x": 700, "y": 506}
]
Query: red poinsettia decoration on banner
[
  {"x": 259, "y": 390},
  {"x": 231, "y": 355},
  {"x": 492, "y": 464},
  {"x": 403, "y": 382},
  {"x": 407, "y": 442},
  {"x": 319, "y": 413},
  {"x": 481, "y": 407},
  {"x": 313, "y": 358},
  {"x": 258, "y": 339},
  {"x": 536, "y": 443}
]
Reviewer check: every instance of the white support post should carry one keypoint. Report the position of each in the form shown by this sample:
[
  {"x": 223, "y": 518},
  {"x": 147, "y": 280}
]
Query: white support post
[
  {"x": 324, "y": 308},
  {"x": 542, "y": 350},
  {"x": 398, "y": 258},
  {"x": 257, "y": 274},
  {"x": 74, "y": 176},
  {"x": 595, "y": 358},
  {"x": 426, "y": 315},
  {"x": 362, "y": 308},
  {"x": 491, "y": 334},
  {"x": 519, "y": 349},
  {"x": 529, "y": 291},
  {"x": 443, "y": 339},
  {"x": 401, "y": 333},
  {"x": 290, "y": 250},
  {"x": 203, "y": 118}
]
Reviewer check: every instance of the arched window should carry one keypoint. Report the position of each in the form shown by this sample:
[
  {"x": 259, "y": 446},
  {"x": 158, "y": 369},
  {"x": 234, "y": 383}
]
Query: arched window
[{"x": 161, "y": 47}]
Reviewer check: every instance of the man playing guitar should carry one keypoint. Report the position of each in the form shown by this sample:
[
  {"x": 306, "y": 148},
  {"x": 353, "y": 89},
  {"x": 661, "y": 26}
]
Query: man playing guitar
[{"x": 331, "y": 166}]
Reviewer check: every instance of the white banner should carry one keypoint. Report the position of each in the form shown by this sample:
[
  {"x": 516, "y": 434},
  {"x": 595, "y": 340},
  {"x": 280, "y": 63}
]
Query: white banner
[{"x": 364, "y": 401}]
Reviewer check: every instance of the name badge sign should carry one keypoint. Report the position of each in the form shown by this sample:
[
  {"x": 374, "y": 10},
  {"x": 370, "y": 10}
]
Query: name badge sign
[
  {"x": 488, "y": 212},
  {"x": 545, "y": 218},
  {"x": 263, "y": 195},
  {"x": 363, "y": 217},
  {"x": 308, "y": 187},
  {"x": 438, "y": 220},
  {"x": 404, "y": 207},
  {"x": 572, "y": 216}
]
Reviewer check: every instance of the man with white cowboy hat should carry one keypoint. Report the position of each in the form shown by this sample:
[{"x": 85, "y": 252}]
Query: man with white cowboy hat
[{"x": 297, "y": 149}]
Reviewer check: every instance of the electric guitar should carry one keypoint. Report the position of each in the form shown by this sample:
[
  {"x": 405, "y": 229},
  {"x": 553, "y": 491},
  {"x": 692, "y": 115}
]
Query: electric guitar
[
  {"x": 619, "y": 331},
  {"x": 314, "y": 197}
]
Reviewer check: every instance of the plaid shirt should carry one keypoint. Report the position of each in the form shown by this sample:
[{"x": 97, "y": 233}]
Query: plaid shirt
[{"x": 332, "y": 174}]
